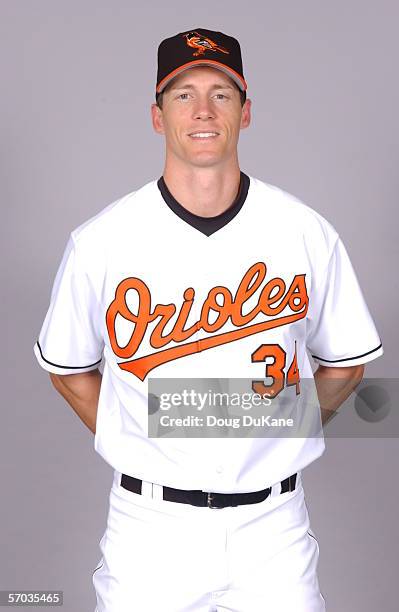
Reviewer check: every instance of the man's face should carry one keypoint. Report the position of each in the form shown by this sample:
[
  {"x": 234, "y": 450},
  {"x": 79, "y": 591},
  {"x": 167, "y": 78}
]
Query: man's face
[{"x": 201, "y": 100}]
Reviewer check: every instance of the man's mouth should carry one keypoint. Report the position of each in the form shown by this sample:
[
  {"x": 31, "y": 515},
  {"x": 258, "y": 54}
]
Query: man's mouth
[{"x": 204, "y": 135}]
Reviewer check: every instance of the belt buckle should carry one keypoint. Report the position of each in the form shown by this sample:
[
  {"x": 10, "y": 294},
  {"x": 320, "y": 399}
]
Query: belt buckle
[{"x": 209, "y": 500}]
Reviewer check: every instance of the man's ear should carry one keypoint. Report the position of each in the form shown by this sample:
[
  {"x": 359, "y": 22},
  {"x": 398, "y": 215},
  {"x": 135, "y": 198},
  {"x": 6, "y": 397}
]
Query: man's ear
[
  {"x": 246, "y": 114},
  {"x": 157, "y": 118}
]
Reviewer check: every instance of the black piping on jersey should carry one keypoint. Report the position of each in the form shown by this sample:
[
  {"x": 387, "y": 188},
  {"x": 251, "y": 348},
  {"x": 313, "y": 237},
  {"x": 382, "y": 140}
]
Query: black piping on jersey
[
  {"x": 309, "y": 534},
  {"x": 62, "y": 366},
  {"x": 347, "y": 358},
  {"x": 206, "y": 225}
]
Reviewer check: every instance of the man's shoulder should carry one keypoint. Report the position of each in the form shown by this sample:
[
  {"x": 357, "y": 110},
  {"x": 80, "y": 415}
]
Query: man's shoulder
[
  {"x": 112, "y": 216},
  {"x": 293, "y": 211}
]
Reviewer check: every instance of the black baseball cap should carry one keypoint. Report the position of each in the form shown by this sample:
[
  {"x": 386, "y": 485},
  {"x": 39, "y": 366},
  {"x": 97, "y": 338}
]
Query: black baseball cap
[{"x": 199, "y": 47}]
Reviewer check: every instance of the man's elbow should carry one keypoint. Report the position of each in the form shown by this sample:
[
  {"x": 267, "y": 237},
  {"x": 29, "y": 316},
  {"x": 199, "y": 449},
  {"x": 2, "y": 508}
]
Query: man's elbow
[{"x": 355, "y": 374}]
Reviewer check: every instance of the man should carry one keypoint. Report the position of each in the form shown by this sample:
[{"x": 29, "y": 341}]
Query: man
[{"x": 207, "y": 273}]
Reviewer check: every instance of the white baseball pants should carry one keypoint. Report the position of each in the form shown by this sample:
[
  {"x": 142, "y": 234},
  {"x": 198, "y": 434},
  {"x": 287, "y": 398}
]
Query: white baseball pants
[{"x": 161, "y": 556}]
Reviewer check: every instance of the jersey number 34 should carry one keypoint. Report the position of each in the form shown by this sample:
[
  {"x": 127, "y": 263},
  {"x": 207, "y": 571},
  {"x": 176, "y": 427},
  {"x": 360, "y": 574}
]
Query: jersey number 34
[{"x": 275, "y": 370}]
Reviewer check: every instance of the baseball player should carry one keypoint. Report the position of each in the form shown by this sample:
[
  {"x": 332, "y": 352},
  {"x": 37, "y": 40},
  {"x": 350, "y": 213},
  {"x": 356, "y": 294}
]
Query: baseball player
[{"x": 206, "y": 273}]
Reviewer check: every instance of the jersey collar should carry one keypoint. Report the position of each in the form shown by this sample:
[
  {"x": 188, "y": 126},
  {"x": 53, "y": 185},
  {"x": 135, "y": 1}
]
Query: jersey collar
[{"x": 206, "y": 225}]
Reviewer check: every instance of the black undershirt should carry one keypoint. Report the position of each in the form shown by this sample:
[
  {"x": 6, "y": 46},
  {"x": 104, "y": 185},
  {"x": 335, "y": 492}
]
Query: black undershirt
[{"x": 206, "y": 225}]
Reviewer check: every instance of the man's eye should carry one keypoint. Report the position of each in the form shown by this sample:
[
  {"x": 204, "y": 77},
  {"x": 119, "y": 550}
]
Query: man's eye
[{"x": 181, "y": 96}]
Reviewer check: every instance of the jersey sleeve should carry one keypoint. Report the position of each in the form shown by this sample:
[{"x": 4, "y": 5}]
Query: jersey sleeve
[
  {"x": 69, "y": 341},
  {"x": 340, "y": 329}
]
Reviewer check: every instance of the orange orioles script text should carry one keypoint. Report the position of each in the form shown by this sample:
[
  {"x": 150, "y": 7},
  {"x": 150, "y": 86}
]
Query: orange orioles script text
[{"x": 274, "y": 291}]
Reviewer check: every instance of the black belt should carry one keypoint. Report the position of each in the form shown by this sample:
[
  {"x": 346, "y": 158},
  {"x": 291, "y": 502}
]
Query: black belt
[{"x": 212, "y": 500}]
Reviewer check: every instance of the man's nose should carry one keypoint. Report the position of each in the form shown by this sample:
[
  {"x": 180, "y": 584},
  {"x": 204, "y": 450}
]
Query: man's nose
[{"x": 204, "y": 109}]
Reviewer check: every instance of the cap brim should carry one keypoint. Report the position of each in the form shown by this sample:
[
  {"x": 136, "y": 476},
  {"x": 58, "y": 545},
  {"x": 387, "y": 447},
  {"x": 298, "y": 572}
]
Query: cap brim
[{"x": 237, "y": 78}]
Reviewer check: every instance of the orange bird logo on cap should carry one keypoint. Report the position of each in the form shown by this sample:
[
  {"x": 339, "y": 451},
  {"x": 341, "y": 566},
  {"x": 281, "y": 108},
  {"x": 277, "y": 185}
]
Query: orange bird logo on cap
[{"x": 202, "y": 43}]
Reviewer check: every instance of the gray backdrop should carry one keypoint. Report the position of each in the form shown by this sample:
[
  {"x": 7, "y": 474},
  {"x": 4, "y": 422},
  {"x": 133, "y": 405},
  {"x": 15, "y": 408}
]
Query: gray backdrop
[{"x": 77, "y": 82}]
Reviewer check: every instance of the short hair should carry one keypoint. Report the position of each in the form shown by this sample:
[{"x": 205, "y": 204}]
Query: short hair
[{"x": 159, "y": 96}]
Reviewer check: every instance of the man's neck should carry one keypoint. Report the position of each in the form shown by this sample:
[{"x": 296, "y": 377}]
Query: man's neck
[{"x": 206, "y": 192}]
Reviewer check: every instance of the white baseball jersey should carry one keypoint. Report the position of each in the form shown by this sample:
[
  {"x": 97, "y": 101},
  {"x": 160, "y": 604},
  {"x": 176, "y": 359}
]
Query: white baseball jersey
[{"x": 156, "y": 291}]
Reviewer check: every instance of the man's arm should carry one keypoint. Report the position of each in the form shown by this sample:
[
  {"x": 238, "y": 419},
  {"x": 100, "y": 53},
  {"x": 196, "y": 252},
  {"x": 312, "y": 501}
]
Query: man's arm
[
  {"x": 81, "y": 391},
  {"x": 334, "y": 386}
]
